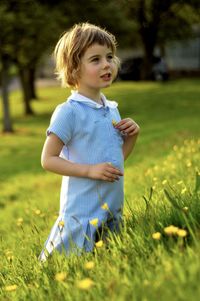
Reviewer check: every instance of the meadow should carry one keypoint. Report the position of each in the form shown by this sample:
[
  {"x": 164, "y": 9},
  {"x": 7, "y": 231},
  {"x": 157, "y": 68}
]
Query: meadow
[{"x": 156, "y": 256}]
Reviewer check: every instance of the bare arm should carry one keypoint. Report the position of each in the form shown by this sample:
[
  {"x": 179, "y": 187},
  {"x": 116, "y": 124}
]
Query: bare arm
[{"x": 51, "y": 161}]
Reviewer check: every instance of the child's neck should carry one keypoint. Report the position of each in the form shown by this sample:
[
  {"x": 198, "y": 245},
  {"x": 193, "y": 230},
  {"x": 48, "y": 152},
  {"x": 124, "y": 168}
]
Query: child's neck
[{"x": 94, "y": 95}]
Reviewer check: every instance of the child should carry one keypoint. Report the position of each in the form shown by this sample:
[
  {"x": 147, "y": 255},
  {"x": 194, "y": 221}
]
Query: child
[{"x": 87, "y": 142}]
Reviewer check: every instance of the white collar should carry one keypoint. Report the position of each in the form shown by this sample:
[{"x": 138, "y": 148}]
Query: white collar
[{"x": 75, "y": 96}]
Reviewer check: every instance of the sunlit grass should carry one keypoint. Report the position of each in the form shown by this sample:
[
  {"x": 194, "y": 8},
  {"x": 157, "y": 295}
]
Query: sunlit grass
[{"x": 156, "y": 257}]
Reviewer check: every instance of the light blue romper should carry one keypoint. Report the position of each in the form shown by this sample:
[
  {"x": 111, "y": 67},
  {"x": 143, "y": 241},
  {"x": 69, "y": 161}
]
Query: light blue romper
[{"x": 89, "y": 137}]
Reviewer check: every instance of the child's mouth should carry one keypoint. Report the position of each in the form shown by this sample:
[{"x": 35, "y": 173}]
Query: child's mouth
[{"x": 106, "y": 76}]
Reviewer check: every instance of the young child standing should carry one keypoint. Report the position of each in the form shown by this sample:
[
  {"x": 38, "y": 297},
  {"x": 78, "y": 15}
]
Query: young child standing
[{"x": 87, "y": 142}]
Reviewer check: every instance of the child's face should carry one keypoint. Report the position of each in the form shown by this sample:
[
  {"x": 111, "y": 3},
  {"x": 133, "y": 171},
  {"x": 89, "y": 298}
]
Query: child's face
[{"x": 97, "y": 68}]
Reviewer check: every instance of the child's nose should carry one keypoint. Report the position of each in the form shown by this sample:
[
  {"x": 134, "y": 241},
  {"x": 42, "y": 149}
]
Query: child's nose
[{"x": 106, "y": 63}]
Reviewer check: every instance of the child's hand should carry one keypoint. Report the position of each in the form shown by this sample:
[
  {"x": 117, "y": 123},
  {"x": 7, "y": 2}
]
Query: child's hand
[
  {"x": 128, "y": 127},
  {"x": 104, "y": 171}
]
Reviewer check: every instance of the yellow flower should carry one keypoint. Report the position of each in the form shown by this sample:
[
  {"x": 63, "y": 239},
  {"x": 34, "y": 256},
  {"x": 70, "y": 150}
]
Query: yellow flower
[
  {"x": 105, "y": 206},
  {"x": 20, "y": 220},
  {"x": 181, "y": 233},
  {"x": 99, "y": 244},
  {"x": 156, "y": 235},
  {"x": 171, "y": 230},
  {"x": 94, "y": 222},
  {"x": 11, "y": 288},
  {"x": 114, "y": 122},
  {"x": 85, "y": 284},
  {"x": 37, "y": 212},
  {"x": 185, "y": 209},
  {"x": 60, "y": 276},
  {"x": 10, "y": 258},
  {"x": 188, "y": 164},
  {"x": 164, "y": 182},
  {"x": 61, "y": 223},
  {"x": 89, "y": 265}
]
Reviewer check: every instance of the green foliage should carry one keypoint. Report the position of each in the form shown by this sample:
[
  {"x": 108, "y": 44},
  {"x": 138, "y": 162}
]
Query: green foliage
[{"x": 145, "y": 261}]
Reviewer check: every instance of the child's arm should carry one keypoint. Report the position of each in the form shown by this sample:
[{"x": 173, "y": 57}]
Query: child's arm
[
  {"x": 51, "y": 161},
  {"x": 131, "y": 129}
]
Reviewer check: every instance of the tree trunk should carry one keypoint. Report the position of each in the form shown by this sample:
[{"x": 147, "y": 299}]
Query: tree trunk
[
  {"x": 148, "y": 31},
  {"x": 24, "y": 77},
  {"x": 7, "y": 123},
  {"x": 33, "y": 94}
]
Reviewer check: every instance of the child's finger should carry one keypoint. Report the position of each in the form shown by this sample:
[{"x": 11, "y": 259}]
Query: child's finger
[
  {"x": 115, "y": 170},
  {"x": 111, "y": 176}
]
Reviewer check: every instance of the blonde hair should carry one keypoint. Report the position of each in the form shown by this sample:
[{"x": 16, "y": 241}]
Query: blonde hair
[{"x": 72, "y": 46}]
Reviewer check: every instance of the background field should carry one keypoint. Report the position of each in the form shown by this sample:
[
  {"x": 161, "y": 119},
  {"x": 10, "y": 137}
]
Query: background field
[{"x": 137, "y": 266}]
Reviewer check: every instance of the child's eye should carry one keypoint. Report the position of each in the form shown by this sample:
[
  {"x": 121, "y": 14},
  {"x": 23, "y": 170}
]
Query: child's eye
[
  {"x": 96, "y": 59},
  {"x": 110, "y": 57}
]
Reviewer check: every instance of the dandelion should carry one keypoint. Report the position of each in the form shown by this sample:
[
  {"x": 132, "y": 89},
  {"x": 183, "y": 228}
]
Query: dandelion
[
  {"x": 61, "y": 223},
  {"x": 171, "y": 230},
  {"x": 99, "y": 244},
  {"x": 11, "y": 288},
  {"x": 182, "y": 233},
  {"x": 188, "y": 164},
  {"x": 20, "y": 220},
  {"x": 156, "y": 235},
  {"x": 10, "y": 258},
  {"x": 105, "y": 206},
  {"x": 94, "y": 222},
  {"x": 37, "y": 212},
  {"x": 60, "y": 276},
  {"x": 114, "y": 122},
  {"x": 85, "y": 284},
  {"x": 89, "y": 265},
  {"x": 185, "y": 209}
]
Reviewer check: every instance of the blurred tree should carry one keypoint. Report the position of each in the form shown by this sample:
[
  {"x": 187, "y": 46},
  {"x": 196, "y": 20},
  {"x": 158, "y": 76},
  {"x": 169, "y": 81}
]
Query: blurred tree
[
  {"x": 6, "y": 21},
  {"x": 24, "y": 39},
  {"x": 159, "y": 21}
]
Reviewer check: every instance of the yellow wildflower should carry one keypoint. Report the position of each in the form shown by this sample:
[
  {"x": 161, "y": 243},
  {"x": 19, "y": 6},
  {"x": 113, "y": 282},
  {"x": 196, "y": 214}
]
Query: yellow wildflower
[
  {"x": 61, "y": 223},
  {"x": 20, "y": 220},
  {"x": 85, "y": 284},
  {"x": 10, "y": 258},
  {"x": 105, "y": 206},
  {"x": 188, "y": 164},
  {"x": 156, "y": 235},
  {"x": 11, "y": 288},
  {"x": 37, "y": 212},
  {"x": 185, "y": 209},
  {"x": 99, "y": 244},
  {"x": 60, "y": 276},
  {"x": 89, "y": 265},
  {"x": 181, "y": 233},
  {"x": 164, "y": 182},
  {"x": 114, "y": 122},
  {"x": 171, "y": 230},
  {"x": 94, "y": 222}
]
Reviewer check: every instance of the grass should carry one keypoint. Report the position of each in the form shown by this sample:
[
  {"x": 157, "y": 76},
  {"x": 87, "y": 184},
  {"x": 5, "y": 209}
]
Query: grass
[{"x": 161, "y": 189}]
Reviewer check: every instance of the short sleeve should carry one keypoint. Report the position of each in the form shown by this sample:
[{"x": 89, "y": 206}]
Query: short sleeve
[{"x": 61, "y": 123}]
